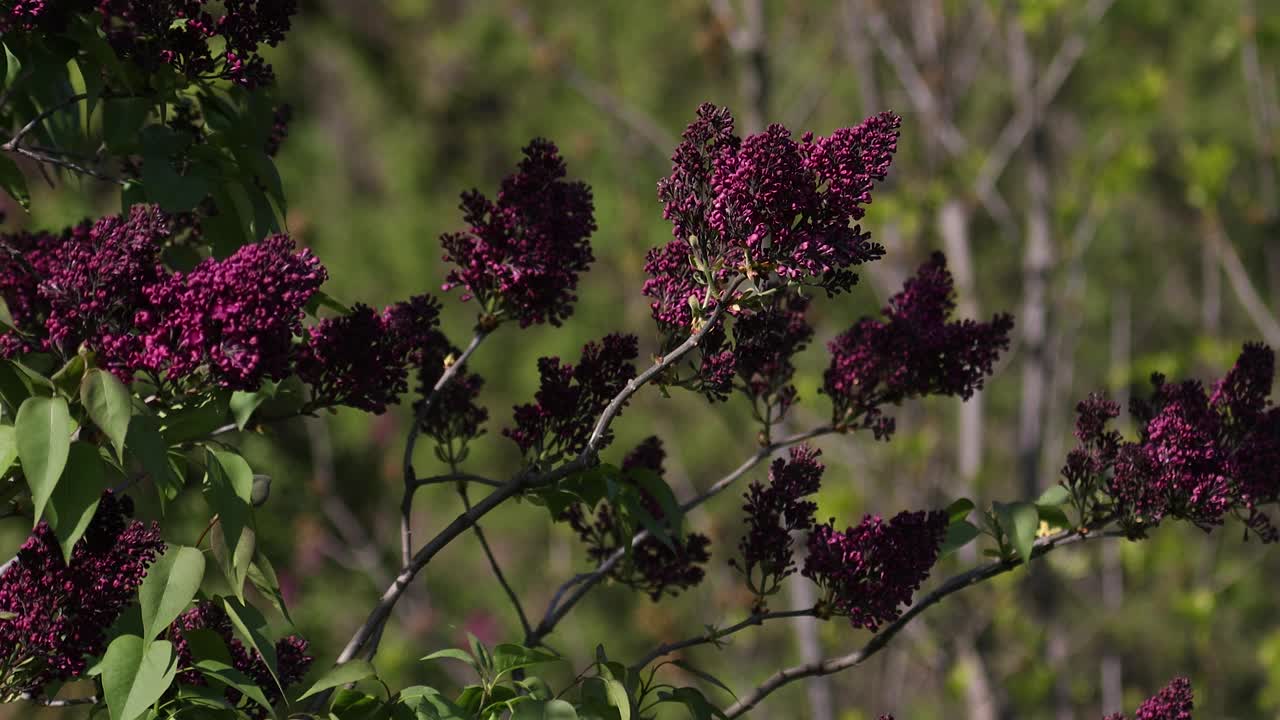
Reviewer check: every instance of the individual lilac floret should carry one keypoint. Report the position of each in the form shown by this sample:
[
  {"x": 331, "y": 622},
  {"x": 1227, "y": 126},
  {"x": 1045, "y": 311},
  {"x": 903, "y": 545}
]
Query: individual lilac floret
[
  {"x": 54, "y": 615},
  {"x": 570, "y": 399},
  {"x": 524, "y": 251},
  {"x": 870, "y": 571},
  {"x": 292, "y": 660},
  {"x": 652, "y": 567},
  {"x": 1174, "y": 702},
  {"x": 774, "y": 512},
  {"x": 236, "y": 316},
  {"x": 363, "y": 359},
  {"x": 770, "y": 204},
  {"x": 913, "y": 352}
]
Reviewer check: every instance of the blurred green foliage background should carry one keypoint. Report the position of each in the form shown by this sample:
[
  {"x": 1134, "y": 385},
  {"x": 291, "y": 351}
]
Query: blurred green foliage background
[{"x": 1135, "y": 208}]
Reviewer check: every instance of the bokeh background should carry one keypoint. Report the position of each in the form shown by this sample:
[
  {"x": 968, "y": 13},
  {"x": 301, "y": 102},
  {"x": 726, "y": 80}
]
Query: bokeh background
[{"x": 1104, "y": 169}]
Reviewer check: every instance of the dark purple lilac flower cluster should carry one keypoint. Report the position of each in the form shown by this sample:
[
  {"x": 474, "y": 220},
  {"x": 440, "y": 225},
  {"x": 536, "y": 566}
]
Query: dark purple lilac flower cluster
[
  {"x": 183, "y": 34},
  {"x": 764, "y": 344},
  {"x": 54, "y": 615},
  {"x": 362, "y": 359},
  {"x": 292, "y": 660},
  {"x": 767, "y": 205},
  {"x": 281, "y": 117},
  {"x": 913, "y": 352},
  {"x": 774, "y": 512},
  {"x": 1174, "y": 702},
  {"x": 453, "y": 415},
  {"x": 101, "y": 285},
  {"x": 82, "y": 286},
  {"x": 653, "y": 567},
  {"x": 570, "y": 399},
  {"x": 870, "y": 571},
  {"x": 24, "y": 15},
  {"x": 236, "y": 316},
  {"x": 524, "y": 251},
  {"x": 1199, "y": 456}
]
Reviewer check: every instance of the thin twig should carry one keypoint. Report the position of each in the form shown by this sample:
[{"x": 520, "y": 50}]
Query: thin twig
[
  {"x": 521, "y": 482},
  {"x": 493, "y": 563},
  {"x": 584, "y": 583},
  {"x": 458, "y": 477},
  {"x": 882, "y": 638},
  {"x": 714, "y": 635},
  {"x": 411, "y": 483},
  {"x": 35, "y": 122},
  {"x": 64, "y": 163}
]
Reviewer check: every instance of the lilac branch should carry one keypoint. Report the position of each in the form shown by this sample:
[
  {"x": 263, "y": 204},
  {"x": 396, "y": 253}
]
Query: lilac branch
[
  {"x": 877, "y": 643},
  {"x": 493, "y": 563},
  {"x": 556, "y": 611},
  {"x": 411, "y": 483},
  {"x": 522, "y": 481},
  {"x": 714, "y": 635}
]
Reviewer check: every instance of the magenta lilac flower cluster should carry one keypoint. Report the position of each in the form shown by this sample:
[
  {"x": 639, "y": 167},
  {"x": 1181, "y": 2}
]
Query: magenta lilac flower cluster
[
  {"x": 870, "y": 571},
  {"x": 83, "y": 285},
  {"x": 914, "y": 351},
  {"x": 1174, "y": 702},
  {"x": 653, "y": 567},
  {"x": 774, "y": 512},
  {"x": 1199, "y": 456},
  {"x": 768, "y": 205},
  {"x": 281, "y": 116},
  {"x": 54, "y": 615},
  {"x": 570, "y": 398},
  {"x": 362, "y": 359},
  {"x": 524, "y": 251},
  {"x": 101, "y": 286},
  {"x": 183, "y": 34},
  {"x": 292, "y": 660},
  {"x": 236, "y": 316}
]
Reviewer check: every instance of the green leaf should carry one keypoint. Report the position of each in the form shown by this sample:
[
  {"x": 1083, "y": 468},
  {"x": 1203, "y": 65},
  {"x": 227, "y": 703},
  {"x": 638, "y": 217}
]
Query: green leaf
[
  {"x": 1054, "y": 516},
  {"x": 170, "y": 585},
  {"x": 196, "y": 422},
  {"x": 43, "y": 432},
  {"x": 15, "y": 388},
  {"x": 1021, "y": 521},
  {"x": 1055, "y": 495},
  {"x": 451, "y": 654},
  {"x": 135, "y": 674},
  {"x": 234, "y": 563},
  {"x": 697, "y": 705},
  {"x": 227, "y": 675},
  {"x": 959, "y": 509},
  {"x": 205, "y": 644},
  {"x": 12, "y": 66},
  {"x": 253, "y": 628},
  {"x": 109, "y": 404},
  {"x": 228, "y": 490},
  {"x": 76, "y": 497},
  {"x": 14, "y": 182},
  {"x": 959, "y": 534},
  {"x": 244, "y": 403},
  {"x": 122, "y": 118},
  {"x": 346, "y": 673},
  {"x": 427, "y": 703},
  {"x": 355, "y": 705},
  {"x": 616, "y": 693},
  {"x": 708, "y": 677},
  {"x": 145, "y": 443},
  {"x": 263, "y": 576},
  {"x": 559, "y": 710},
  {"x": 509, "y": 656},
  {"x": 8, "y": 448}
]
